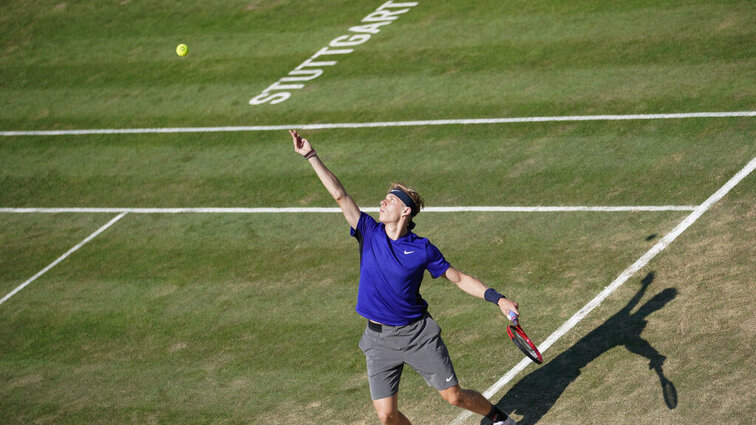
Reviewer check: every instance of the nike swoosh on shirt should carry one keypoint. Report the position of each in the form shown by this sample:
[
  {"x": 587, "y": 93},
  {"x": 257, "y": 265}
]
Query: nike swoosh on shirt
[
  {"x": 449, "y": 378},
  {"x": 408, "y": 252}
]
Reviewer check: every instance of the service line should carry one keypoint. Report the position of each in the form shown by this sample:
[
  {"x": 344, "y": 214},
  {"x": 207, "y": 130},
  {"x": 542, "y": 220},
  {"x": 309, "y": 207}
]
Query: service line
[
  {"x": 622, "y": 278},
  {"x": 328, "y": 126},
  {"x": 301, "y": 210}
]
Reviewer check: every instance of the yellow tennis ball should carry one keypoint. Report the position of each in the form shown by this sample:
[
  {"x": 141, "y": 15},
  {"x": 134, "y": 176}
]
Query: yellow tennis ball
[{"x": 182, "y": 49}]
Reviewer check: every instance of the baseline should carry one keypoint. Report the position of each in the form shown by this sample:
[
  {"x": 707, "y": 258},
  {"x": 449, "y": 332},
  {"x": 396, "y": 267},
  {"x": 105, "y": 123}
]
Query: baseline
[
  {"x": 621, "y": 279},
  {"x": 64, "y": 256}
]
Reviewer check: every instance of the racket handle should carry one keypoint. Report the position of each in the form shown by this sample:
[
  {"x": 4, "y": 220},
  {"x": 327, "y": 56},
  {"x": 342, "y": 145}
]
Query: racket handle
[{"x": 512, "y": 316}]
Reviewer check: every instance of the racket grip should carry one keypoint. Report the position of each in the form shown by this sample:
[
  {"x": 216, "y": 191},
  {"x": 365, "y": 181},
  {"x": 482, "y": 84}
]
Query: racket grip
[{"x": 512, "y": 316}]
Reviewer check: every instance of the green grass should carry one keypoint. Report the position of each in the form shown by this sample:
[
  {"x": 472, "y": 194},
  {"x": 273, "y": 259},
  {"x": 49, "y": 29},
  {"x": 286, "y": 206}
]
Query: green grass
[
  {"x": 112, "y": 65},
  {"x": 200, "y": 316},
  {"x": 639, "y": 163},
  {"x": 231, "y": 319}
]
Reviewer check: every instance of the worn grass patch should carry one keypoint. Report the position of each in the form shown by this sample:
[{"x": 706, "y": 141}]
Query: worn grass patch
[{"x": 672, "y": 343}]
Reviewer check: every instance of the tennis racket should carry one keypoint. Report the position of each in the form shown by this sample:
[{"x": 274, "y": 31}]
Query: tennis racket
[{"x": 521, "y": 340}]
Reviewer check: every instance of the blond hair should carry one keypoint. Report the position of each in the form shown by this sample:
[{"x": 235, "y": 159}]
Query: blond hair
[{"x": 412, "y": 193}]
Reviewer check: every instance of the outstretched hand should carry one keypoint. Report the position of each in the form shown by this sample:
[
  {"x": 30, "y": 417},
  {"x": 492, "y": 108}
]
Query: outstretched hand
[
  {"x": 301, "y": 145},
  {"x": 508, "y": 305}
]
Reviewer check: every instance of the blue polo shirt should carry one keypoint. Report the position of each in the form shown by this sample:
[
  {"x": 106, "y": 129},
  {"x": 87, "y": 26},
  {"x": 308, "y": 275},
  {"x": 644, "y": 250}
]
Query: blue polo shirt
[{"x": 391, "y": 273}]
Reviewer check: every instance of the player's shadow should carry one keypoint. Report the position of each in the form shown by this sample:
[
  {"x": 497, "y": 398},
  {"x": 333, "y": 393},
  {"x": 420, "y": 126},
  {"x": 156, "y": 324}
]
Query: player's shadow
[{"x": 536, "y": 393}]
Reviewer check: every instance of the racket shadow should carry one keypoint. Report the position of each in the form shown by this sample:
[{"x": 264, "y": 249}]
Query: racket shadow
[{"x": 535, "y": 394}]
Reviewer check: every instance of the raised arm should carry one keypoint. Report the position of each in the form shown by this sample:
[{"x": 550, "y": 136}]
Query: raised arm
[
  {"x": 332, "y": 184},
  {"x": 476, "y": 288}
]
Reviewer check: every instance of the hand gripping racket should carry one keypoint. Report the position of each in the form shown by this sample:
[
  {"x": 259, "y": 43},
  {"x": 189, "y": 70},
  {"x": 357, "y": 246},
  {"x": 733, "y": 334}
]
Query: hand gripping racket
[{"x": 521, "y": 340}]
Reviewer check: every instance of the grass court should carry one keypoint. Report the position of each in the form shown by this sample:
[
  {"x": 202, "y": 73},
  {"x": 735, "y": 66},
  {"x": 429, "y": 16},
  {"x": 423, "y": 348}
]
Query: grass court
[{"x": 248, "y": 318}]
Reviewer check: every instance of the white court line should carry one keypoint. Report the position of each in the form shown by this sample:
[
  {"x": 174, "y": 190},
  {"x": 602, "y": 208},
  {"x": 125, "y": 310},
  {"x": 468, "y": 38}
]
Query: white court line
[
  {"x": 622, "y": 278},
  {"x": 338, "y": 210},
  {"x": 468, "y": 121},
  {"x": 63, "y": 257}
]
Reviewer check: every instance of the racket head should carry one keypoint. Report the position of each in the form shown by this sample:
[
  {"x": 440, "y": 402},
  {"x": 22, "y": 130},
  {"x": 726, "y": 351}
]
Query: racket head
[{"x": 521, "y": 340}]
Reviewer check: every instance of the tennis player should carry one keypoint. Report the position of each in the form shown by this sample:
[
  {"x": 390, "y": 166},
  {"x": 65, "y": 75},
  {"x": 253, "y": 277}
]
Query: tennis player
[{"x": 399, "y": 329}]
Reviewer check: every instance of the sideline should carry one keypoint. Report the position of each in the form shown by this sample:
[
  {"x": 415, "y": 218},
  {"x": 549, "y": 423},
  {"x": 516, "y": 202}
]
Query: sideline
[
  {"x": 470, "y": 121},
  {"x": 63, "y": 257},
  {"x": 622, "y": 278}
]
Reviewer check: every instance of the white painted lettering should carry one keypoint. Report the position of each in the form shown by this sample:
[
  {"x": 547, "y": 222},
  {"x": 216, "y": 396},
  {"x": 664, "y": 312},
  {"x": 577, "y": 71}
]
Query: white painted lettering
[
  {"x": 273, "y": 98},
  {"x": 306, "y": 75},
  {"x": 349, "y": 40},
  {"x": 371, "y": 28},
  {"x": 326, "y": 51},
  {"x": 311, "y": 69},
  {"x": 384, "y": 15},
  {"x": 309, "y": 63},
  {"x": 276, "y": 86},
  {"x": 380, "y": 15},
  {"x": 392, "y": 4}
]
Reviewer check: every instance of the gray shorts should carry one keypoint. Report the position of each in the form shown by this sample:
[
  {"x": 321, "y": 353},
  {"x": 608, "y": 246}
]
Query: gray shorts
[{"x": 419, "y": 344}]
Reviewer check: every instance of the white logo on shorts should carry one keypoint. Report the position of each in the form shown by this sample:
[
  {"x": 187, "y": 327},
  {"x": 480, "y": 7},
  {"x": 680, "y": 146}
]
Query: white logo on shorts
[
  {"x": 408, "y": 252},
  {"x": 449, "y": 378}
]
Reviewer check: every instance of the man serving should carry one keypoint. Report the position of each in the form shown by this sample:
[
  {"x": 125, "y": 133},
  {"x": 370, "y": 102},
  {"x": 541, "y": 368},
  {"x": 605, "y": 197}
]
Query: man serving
[{"x": 399, "y": 329}]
